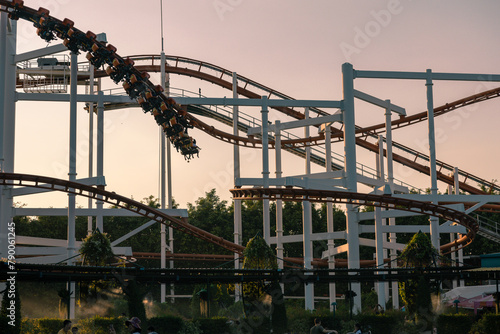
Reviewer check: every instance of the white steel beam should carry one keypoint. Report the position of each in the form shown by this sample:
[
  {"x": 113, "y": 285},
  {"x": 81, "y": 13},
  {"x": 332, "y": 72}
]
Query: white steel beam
[
  {"x": 90, "y": 181},
  {"x": 80, "y": 212},
  {"x": 65, "y": 98},
  {"x": 216, "y": 101},
  {"x": 298, "y": 124},
  {"x": 40, "y": 53},
  {"x": 423, "y": 76},
  {"x": 378, "y": 102}
]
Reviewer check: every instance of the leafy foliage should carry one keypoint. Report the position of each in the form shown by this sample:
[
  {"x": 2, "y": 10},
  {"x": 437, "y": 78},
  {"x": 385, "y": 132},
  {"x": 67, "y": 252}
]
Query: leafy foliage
[
  {"x": 96, "y": 249},
  {"x": 415, "y": 292}
]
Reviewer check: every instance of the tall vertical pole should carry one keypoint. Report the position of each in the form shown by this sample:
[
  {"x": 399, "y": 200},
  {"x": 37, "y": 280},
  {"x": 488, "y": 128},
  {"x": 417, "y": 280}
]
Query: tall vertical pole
[
  {"x": 265, "y": 168},
  {"x": 72, "y": 175},
  {"x": 434, "y": 221},
  {"x": 379, "y": 240},
  {"x": 91, "y": 141},
  {"x": 237, "y": 175},
  {"x": 163, "y": 229},
  {"x": 351, "y": 176},
  {"x": 100, "y": 156},
  {"x": 329, "y": 216},
  {"x": 279, "y": 201},
  {"x": 390, "y": 180},
  {"x": 457, "y": 192},
  {"x": 3, "y": 64},
  {"x": 307, "y": 226},
  {"x": 452, "y": 239},
  {"x": 5, "y": 204}
]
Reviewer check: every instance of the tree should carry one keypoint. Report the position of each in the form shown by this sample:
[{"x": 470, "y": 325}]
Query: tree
[
  {"x": 263, "y": 301},
  {"x": 96, "y": 249},
  {"x": 415, "y": 293}
]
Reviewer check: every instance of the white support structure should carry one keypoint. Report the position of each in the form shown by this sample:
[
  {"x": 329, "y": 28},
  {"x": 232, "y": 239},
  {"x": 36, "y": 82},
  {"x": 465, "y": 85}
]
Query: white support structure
[
  {"x": 100, "y": 156},
  {"x": 265, "y": 168},
  {"x": 379, "y": 239},
  {"x": 72, "y": 177},
  {"x": 237, "y": 174},
  {"x": 307, "y": 224},
  {"x": 351, "y": 177},
  {"x": 279, "y": 202},
  {"x": 332, "y": 289}
]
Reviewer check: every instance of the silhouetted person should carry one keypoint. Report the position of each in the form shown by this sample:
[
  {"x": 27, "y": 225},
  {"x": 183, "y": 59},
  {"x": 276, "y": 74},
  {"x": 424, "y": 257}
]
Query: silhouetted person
[
  {"x": 318, "y": 329},
  {"x": 66, "y": 327}
]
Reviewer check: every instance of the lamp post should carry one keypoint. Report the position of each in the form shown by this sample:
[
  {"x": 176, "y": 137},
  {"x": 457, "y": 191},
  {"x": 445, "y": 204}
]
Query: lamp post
[{"x": 456, "y": 302}]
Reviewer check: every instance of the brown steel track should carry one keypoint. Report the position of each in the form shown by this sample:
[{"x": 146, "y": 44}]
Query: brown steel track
[
  {"x": 384, "y": 201},
  {"x": 223, "y": 78},
  {"x": 50, "y": 27}
]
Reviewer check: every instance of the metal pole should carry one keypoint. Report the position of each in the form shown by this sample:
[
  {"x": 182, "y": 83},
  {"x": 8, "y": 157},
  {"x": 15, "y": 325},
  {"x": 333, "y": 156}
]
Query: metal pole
[
  {"x": 351, "y": 176},
  {"x": 392, "y": 221},
  {"x": 5, "y": 203},
  {"x": 91, "y": 142},
  {"x": 379, "y": 240},
  {"x": 265, "y": 168},
  {"x": 237, "y": 174},
  {"x": 279, "y": 201},
  {"x": 329, "y": 218},
  {"x": 434, "y": 221},
  {"x": 100, "y": 156},
  {"x": 307, "y": 227},
  {"x": 163, "y": 232},
  {"x": 460, "y": 251},
  {"x": 72, "y": 175}
]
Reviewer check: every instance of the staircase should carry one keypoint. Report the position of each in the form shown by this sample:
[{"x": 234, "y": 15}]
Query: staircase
[{"x": 488, "y": 228}]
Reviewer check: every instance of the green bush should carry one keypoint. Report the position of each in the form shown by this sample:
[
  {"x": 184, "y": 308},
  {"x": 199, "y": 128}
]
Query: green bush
[
  {"x": 377, "y": 323},
  {"x": 45, "y": 326},
  {"x": 215, "y": 325},
  {"x": 454, "y": 323},
  {"x": 166, "y": 324},
  {"x": 490, "y": 323}
]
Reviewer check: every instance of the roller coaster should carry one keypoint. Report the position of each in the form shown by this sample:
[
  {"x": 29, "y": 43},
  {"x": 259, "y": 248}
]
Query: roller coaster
[{"x": 176, "y": 119}]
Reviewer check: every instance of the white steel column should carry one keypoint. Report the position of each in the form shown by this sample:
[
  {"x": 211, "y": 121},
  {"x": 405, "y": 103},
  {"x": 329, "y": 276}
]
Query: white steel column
[
  {"x": 265, "y": 168},
  {"x": 351, "y": 176},
  {"x": 307, "y": 227},
  {"x": 461, "y": 250},
  {"x": 379, "y": 240},
  {"x": 390, "y": 180},
  {"x": 100, "y": 156},
  {"x": 434, "y": 221},
  {"x": 72, "y": 175},
  {"x": 5, "y": 202},
  {"x": 163, "y": 232},
  {"x": 91, "y": 142},
  {"x": 329, "y": 215},
  {"x": 452, "y": 239},
  {"x": 279, "y": 202},
  {"x": 237, "y": 175}
]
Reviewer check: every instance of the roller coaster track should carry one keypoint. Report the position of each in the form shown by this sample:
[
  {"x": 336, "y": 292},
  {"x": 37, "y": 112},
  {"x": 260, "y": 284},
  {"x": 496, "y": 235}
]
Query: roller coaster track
[
  {"x": 287, "y": 194},
  {"x": 175, "y": 122},
  {"x": 167, "y": 113},
  {"x": 252, "y": 89},
  {"x": 384, "y": 201},
  {"x": 43, "y": 182}
]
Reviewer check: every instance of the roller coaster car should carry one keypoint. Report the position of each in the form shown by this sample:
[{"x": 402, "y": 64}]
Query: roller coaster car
[
  {"x": 63, "y": 28},
  {"x": 17, "y": 13},
  {"x": 42, "y": 12},
  {"x": 119, "y": 69},
  {"x": 132, "y": 90},
  {"x": 134, "y": 79}
]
